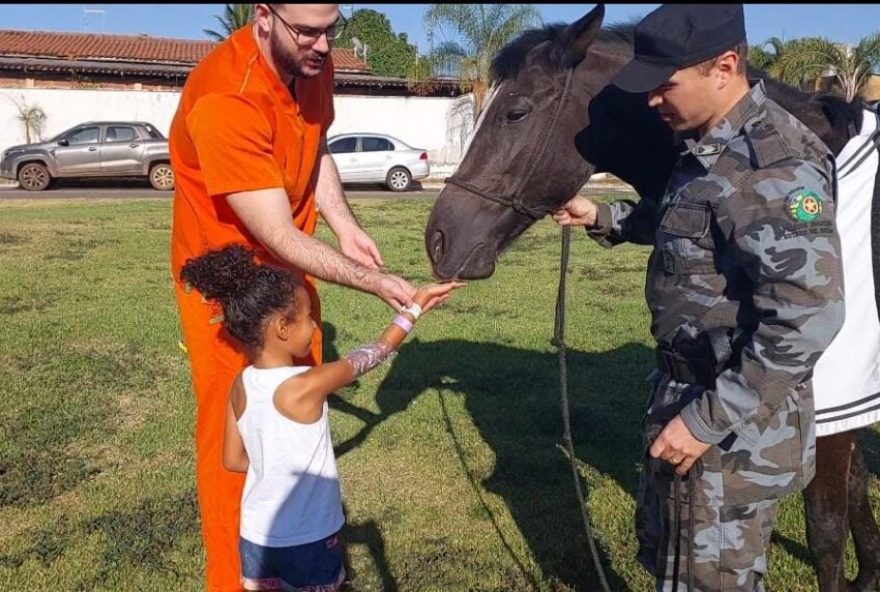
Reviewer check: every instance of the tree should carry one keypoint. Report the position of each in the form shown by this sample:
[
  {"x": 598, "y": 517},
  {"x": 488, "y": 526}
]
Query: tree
[
  {"x": 813, "y": 58},
  {"x": 762, "y": 59},
  {"x": 480, "y": 30},
  {"x": 768, "y": 61},
  {"x": 388, "y": 54},
  {"x": 31, "y": 117},
  {"x": 235, "y": 16}
]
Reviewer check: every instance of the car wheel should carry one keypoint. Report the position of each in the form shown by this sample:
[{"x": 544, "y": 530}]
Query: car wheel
[
  {"x": 34, "y": 177},
  {"x": 398, "y": 179},
  {"x": 162, "y": 177}
]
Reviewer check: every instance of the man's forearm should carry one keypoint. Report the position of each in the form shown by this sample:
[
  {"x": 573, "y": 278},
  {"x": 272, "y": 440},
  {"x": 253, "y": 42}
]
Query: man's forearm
[
  {"x": 331, "y": 198},
  {"x": 625, "y": 221},
  {"x": 319, "y": 259},
  {"x": 266, "y": 215}
]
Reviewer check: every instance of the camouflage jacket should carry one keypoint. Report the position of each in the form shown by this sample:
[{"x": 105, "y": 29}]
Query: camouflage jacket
[{"x": 745, "y": 242}]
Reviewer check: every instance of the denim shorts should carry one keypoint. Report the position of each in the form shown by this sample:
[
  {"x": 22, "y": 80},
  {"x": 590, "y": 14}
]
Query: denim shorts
[{"x": 313, "y": 567}]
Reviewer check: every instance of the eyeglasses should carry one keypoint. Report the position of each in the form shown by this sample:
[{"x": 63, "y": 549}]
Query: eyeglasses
[{"x": 307, "y": 37}]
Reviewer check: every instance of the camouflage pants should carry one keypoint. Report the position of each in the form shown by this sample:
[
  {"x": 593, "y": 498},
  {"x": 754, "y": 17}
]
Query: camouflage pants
[
  {"x": 728, "y": 545},
  {"x": 717, "y": 543}
]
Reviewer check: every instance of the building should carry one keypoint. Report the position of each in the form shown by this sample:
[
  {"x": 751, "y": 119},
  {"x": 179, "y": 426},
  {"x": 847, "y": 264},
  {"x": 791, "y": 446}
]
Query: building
[
  {"x": 76, "y": 77},
  {"x": 41, "y": 59}
]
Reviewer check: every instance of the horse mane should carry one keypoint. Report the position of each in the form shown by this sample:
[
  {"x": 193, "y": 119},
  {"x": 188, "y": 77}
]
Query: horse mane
[
  {"x": 831, "y": 117},
  {"x": 511, "y": 59}
]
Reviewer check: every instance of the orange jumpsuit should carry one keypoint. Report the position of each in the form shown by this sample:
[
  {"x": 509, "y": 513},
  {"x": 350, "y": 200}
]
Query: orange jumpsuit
[{"x": 237, "y": 128}]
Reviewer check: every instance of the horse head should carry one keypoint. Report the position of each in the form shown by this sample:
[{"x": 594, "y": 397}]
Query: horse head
[{"x": 550, "y": 121}]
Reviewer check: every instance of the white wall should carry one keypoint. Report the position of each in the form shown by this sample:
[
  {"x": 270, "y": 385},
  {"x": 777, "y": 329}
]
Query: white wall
[
  {"x": 439, "y": 124},
  {"x": 433, "y": 123},
  {"x": 67, "y": 108}
]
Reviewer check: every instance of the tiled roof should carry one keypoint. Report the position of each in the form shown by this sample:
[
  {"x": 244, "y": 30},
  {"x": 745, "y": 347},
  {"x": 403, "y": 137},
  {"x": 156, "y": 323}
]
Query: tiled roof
[
  {"x": 380, "y": 81},
  {"x": 128, "y": 48}
]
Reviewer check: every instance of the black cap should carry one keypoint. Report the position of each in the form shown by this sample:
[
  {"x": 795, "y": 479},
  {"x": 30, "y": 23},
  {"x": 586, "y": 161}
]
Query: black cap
[{"x": 676, "y": 36}]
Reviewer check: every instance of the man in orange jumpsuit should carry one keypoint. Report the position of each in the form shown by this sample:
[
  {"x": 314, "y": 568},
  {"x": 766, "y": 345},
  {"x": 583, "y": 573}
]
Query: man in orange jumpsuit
[{"x": 248, "y": 148}]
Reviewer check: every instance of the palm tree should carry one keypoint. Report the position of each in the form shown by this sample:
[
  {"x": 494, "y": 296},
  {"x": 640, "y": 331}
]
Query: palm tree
[
  {"x": 762, "y": 59},
  {"x": 480, "y": 31},
  {"x": 814, "y": 58},
  {"x": 235, "y": 17},
  {"x": 32, "y": 119}
]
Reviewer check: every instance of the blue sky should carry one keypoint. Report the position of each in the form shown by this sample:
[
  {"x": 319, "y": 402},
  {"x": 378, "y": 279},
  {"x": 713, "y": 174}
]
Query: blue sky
[{"x": 842, "y": 22}]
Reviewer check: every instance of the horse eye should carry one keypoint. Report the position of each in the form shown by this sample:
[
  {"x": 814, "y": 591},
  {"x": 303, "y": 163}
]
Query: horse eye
[{"x": 516, "y": 116}]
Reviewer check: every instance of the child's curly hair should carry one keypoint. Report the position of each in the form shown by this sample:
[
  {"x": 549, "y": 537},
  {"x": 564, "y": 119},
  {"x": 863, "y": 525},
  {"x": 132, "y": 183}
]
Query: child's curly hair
[{"x": 249, "y": 292}]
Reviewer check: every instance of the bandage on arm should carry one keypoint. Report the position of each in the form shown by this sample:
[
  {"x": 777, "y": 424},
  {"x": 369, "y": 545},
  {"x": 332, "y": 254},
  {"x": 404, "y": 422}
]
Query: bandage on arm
[
  {"x": 301, "y": 397},
  {"x": 367, "y": 357}
]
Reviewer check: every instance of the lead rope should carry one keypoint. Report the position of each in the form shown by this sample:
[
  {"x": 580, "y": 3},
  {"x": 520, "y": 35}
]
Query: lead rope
[
  {"x": 676, "y": 532},
  {"x": 690, "y": 557},
  {"x": 559, "y": 343}
]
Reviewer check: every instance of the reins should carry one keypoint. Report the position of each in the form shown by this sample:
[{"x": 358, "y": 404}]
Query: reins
[
  {"x": 559, "y": 342},
  {"x": 515, "y": 202}
]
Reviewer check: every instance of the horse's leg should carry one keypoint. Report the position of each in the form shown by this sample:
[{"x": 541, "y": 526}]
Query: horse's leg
[
  {"x": 862, "y": 524},
  {"x": 825, "y": 505}
]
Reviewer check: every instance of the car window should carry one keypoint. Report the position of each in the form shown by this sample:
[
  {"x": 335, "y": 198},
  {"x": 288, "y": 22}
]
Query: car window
[
  {"x": 375, "y": 144},
  {"x": 86, "y": 135},
  {"x": 343, "y": 146},
  {"x": 118, "y": 133},
  {"x": 154, "y": 133}
]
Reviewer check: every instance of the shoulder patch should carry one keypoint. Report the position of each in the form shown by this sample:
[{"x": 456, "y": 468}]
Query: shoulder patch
[
  {"x": 804, "y": 208},
  {"x": 803, "y": 205}
]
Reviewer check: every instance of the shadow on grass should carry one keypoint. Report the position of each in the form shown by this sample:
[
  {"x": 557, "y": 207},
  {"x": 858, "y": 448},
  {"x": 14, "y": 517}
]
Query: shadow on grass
[
  {"x": 136, "y": 538},
  {"x": 368, "y": 534},
  {"x": 512, "y": 396}
]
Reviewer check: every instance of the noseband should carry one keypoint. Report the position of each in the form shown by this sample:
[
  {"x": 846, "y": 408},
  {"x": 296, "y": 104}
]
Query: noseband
[{"x": 515, "y": 201}]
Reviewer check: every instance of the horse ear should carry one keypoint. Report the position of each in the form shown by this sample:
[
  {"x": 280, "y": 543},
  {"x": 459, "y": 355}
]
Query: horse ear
[{"x": 581, "y": 33}]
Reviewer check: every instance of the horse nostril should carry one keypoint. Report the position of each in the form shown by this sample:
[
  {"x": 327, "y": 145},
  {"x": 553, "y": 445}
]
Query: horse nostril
[{"x": 437, "y": 248}]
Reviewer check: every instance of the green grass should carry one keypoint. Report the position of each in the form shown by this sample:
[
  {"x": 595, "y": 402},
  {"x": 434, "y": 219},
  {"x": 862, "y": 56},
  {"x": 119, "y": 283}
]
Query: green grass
[{"x": 451, "y": 474}]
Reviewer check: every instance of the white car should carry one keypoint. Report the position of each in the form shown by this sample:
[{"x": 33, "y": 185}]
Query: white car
[{"x": 378, "y": 158}]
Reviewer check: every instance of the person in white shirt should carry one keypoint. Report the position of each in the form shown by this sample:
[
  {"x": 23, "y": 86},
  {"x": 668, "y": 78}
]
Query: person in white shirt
[{"x": 276, "y": 417}]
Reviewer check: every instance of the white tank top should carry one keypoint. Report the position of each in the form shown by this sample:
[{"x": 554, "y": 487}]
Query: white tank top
[{"x": 291, "y": 492}]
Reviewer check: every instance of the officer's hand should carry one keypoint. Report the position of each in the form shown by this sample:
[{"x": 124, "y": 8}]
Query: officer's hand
[
  {"x": 677, "y": 446},
  {"x": 578, "y": 211}
]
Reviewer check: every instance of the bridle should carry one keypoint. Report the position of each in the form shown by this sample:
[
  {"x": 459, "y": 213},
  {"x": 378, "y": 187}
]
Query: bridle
[{"x": 515, "y": 200}]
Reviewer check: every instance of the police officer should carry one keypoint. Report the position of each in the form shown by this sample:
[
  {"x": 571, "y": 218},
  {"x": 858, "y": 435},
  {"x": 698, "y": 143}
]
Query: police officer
[{"x": 745, "y": 291}]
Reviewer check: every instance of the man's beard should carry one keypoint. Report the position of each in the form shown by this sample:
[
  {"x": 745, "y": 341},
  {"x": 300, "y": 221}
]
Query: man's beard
[{"x": 284, "y": 61}]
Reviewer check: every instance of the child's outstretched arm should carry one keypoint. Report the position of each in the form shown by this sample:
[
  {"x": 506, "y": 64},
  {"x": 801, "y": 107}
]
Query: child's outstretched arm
[{"x": 302, "y": 397}]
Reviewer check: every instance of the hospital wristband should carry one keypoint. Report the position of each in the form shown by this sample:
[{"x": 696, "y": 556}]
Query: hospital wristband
[{"x": 403, "y": 323}]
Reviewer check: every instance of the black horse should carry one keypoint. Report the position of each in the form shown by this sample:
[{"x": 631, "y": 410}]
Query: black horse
[{"x": 553, "y": 120}]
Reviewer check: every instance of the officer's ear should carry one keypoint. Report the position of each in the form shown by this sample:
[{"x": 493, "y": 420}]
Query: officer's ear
[{"x": 725, "y": 67}]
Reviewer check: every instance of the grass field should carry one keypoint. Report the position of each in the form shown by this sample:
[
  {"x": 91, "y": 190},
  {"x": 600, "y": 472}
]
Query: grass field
[{"x": 451, "y": 475}]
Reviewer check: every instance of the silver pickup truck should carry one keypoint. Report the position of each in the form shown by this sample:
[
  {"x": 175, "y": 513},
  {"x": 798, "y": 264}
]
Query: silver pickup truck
[{"x": 92, "y": 149}]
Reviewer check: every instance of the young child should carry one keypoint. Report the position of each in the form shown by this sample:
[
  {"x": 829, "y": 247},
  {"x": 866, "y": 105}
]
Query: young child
[{"x": 276, "y": 418}]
